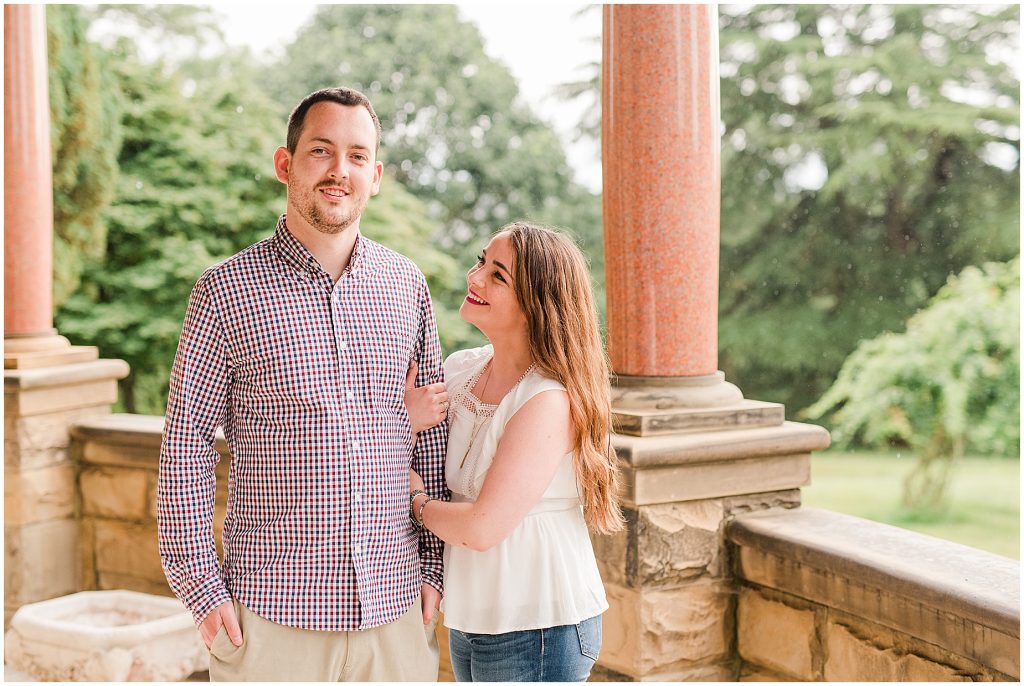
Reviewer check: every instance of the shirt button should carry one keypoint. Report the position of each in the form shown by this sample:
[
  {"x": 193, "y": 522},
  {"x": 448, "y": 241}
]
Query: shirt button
[
  {"x": 342, "y": 345},
  {"x": 350, "y": 395},
  {"x": 358, "y": 496},
  {"x": 355, "y": 445},
  {"x": 357, "y": 549}
]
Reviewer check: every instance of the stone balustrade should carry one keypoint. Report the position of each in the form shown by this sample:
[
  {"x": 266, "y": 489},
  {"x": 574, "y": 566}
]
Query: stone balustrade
[
  {"x": 828, "y": 597},
  {"x": 118, "y": 458},
  {"x": 805, "y": 594}
]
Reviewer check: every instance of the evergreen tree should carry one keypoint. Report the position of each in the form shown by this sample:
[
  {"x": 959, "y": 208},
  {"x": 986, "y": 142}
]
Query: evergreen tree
[
  {"x": 456, "y": 132},
  {"x": 869, "y": 151},
  {"x": 85, "y": 138},
  {"x": 860, "y": 170}
]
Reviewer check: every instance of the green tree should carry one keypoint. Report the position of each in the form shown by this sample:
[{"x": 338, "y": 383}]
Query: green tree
[
  {"x": 195, "y": 185},
  {"x": 948, "y": 384},
  {"x": 869, "y": 152},
  {"x": 456, "y": 133},
  {"x": 85, "y": 138}
]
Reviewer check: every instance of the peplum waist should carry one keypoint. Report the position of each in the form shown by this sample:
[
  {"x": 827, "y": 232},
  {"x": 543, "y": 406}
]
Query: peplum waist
[{"x": 543, "y": 574}]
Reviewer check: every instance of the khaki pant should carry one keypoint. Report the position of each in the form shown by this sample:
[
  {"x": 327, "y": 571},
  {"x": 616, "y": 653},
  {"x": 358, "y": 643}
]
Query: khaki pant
[{"x": 403, "y": 650}]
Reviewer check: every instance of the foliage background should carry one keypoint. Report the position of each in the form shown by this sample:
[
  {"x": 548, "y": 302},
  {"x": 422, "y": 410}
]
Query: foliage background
[{"x": 869, "y": 153}]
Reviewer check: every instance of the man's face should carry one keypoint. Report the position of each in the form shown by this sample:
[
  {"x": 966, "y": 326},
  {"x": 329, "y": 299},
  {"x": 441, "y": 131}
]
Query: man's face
[{"x": 334, "y": 170}]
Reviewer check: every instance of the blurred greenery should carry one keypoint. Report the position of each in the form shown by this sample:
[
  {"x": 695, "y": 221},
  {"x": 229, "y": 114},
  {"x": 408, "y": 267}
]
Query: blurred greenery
[
  {"x": 949, "y": 384},
  {"x": 869, "y": 153},
  {"x": 984, "y": 496},
  {"x": 858, "y": 173},
  {"x": 899, "y": 108},
  {"x": 85, "y": 137},
  {"x": 192, "y": 179}
]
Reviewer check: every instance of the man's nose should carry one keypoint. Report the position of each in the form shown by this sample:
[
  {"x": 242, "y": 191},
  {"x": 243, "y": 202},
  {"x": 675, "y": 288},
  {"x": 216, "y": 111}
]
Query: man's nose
[{"x": 339, "y": 169}]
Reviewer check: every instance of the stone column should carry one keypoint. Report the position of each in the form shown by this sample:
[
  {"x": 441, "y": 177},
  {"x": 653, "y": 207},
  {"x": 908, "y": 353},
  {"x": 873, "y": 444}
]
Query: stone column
[
  {"x": 48, "y": 383},
  {"x": 29, "y": 337},
  {"x": 694, "y": 451}
]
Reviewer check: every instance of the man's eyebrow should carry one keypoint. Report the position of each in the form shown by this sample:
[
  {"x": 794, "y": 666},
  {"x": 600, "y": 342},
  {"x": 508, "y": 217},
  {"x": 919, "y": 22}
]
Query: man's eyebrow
[{"x": 321, "y": 140}]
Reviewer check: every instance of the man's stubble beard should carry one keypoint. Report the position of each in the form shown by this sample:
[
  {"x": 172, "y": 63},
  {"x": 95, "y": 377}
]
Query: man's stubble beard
[{"x": 314, "y": 216}]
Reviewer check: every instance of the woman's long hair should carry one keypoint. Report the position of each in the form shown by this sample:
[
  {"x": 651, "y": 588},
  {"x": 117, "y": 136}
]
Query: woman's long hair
[{"x": 552, "y": 285}]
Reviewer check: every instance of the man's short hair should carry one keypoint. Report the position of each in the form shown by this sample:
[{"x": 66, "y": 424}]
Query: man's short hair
[{"x": 343, "y": 96}]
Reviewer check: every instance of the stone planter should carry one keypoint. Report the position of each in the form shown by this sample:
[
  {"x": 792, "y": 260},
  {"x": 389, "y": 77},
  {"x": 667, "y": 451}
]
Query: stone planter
[{"x": 105, "y": 636}]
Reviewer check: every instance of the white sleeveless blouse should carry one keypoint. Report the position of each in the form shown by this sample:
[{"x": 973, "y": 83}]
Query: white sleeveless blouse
[{"x": 544, "y": 573}]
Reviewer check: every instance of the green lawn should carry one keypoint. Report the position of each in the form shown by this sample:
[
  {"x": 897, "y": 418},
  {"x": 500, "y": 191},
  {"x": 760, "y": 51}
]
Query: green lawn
[{"x": 984, "y": 509}]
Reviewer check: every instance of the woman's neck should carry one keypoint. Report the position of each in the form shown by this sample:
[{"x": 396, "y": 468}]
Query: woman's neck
[{"x": 508, "y": 364}]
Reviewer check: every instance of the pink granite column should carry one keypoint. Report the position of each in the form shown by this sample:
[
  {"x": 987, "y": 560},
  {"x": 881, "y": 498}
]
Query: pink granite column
[
  {"x": 661, "y": 188},
  {"x": 28, "y": 178}
]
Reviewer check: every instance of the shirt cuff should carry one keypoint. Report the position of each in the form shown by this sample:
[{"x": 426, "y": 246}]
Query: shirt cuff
[
  {"x": 207, "y": 595},
  {"x": 432, "y": 571}
]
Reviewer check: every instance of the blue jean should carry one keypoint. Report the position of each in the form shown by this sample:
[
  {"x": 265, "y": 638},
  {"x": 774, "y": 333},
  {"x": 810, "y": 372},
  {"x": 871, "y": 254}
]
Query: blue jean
[{"x": 558, "y": 653}]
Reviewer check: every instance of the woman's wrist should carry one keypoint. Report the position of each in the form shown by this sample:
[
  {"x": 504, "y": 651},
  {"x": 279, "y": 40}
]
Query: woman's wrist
[{"x": 417, "y": 501}]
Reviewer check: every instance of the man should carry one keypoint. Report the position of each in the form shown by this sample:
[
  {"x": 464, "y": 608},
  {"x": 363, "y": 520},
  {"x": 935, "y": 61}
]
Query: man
[{"x": 298, "y": 347}]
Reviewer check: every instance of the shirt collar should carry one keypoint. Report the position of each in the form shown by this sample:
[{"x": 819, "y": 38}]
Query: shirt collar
[{"x": 299, "y": 258}]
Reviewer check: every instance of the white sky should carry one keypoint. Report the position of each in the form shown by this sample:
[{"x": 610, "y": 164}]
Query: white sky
[{"x": 542, "y": 44}]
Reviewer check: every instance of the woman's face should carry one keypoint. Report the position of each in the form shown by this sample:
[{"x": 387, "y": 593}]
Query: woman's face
[{"x": 491, "y": 304}]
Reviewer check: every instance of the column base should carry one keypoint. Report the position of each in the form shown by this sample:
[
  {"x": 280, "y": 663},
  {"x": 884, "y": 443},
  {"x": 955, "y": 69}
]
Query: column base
[
  {"x": 45, "y": 350},
  {"x": 673, "y": 392},
  {"x": 694, "y": 453}
]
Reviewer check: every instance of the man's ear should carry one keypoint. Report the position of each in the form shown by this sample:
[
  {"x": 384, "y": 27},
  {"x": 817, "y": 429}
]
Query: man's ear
[
  {"x": 282, "y": 162},
  {"x": 378, "y": 174}
]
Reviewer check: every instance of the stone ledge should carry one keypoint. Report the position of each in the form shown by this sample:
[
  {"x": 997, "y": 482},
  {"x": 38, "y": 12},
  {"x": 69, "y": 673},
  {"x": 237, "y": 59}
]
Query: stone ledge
[
  {"x": 968, "y": 582},
  {"x": 961, "y": 599},
  {"x": 134, "y": 430},
  {"x": 716, "y": 446},
  {"x": 64, "y": 375},
  {"x": 744, "y": 414}
]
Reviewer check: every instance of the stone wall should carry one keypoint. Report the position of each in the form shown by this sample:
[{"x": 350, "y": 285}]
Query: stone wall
[
  {"x": 740, "y": 587},
  {"x": 118, "y": 458},
  {"x": 40, "y": 503},
  {"x": 828, "y": 597}
]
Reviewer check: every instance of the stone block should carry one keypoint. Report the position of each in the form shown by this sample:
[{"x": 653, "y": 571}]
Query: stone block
[
  {"x": 650, "y": 422},
  {"x": 751, "y": 672},
  {"x": 920, "y": 669},
  {"x": 962, "y": 600},
  {"x": 774, "y": 635},
  {"x": 685, "y": 625},
  {"x": 700, "y": 673},
  {"x": 39, "y": 495},
  {"x": 115, "y": 492},
  {"x": 125, "y": 548},
  {"x": 87, "y": 554},
  {"x": 853, "y": 658},
  {"x": 616, "y": 553},
  {"x": 704, "y": 480},
  {"x": 110, "y": 581},
  {"x": 44, "y": 400},
  {"x": 651, "y": 632},
  {"x": 42, "y": 440},
  {"x": 678, "y": 542},
  {"x": 782, "y": 500},
  {"x": 40, "y": 561},
  {"x": 116, "y": 455}
]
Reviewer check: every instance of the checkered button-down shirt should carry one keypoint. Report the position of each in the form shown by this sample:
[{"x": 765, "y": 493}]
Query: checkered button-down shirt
[{"x": 307, "y": 379}]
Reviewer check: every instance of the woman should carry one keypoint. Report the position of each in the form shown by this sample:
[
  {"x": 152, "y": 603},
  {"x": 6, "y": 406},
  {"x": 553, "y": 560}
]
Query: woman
[{"x": 529, "y": 466}]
